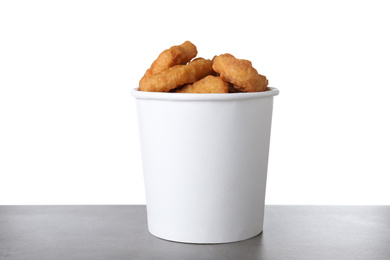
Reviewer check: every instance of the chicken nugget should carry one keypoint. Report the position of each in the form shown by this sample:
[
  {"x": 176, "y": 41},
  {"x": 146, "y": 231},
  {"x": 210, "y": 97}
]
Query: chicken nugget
[
  {"x": 209, "y": 84},
  {"x": 176, "y": 55},
  {"x": 177, "y": 76},
  {"x": 240, "y": 73}
]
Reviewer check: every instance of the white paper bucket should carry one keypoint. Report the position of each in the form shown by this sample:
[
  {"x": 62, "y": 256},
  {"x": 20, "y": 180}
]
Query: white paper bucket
[{"x": 205, "y": 160}]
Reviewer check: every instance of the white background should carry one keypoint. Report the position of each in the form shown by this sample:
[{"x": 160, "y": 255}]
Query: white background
[{"x": 68, "y": 126}]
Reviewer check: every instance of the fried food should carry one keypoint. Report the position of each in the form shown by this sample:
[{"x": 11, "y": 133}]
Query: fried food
[
  {"x": 240, "y": 73},
  {"x": 176, "y": 55},
  {"x": 176, "y": 76},
  {"x": 209, "y": 84},
  {"x": 176, "y": 70}
]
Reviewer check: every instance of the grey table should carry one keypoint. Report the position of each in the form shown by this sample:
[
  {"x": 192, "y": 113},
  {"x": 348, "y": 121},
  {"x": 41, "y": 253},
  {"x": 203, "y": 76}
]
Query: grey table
[{"x": 120, "y": 232}]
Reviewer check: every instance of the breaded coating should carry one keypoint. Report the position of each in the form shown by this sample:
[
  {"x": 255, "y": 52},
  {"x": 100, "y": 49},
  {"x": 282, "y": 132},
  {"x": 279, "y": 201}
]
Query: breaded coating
[
  {"x": 209, "y": 84},
  {"x": 176, "y": 55},
  {"x": 177, "y": 76},
  {"x": 240, "y": 73}
]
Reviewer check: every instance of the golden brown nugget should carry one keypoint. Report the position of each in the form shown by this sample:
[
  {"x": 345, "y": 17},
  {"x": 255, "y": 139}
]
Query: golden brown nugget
[
  {"x": 240, "y": 73},
  {"x": 177, "y": 76},
  {"x": 176, "y": 55},
  {"x": 209, "y": 84}
]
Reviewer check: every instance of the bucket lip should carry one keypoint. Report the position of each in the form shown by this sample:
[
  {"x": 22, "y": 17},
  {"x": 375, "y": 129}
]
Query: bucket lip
[{"x": 202, "y": 97}]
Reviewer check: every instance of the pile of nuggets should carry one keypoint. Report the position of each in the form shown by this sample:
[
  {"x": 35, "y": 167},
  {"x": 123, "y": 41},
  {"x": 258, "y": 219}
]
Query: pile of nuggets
[{"x": 176, "y": 70}]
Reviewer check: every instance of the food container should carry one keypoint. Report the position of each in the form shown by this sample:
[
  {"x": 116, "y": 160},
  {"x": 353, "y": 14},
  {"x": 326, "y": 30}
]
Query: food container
[{"x": 205, "y": 160}]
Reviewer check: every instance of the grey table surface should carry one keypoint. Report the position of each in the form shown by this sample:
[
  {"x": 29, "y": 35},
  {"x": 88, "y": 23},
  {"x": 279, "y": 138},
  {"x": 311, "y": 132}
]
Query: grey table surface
[{"x": 120, "y": 232}]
